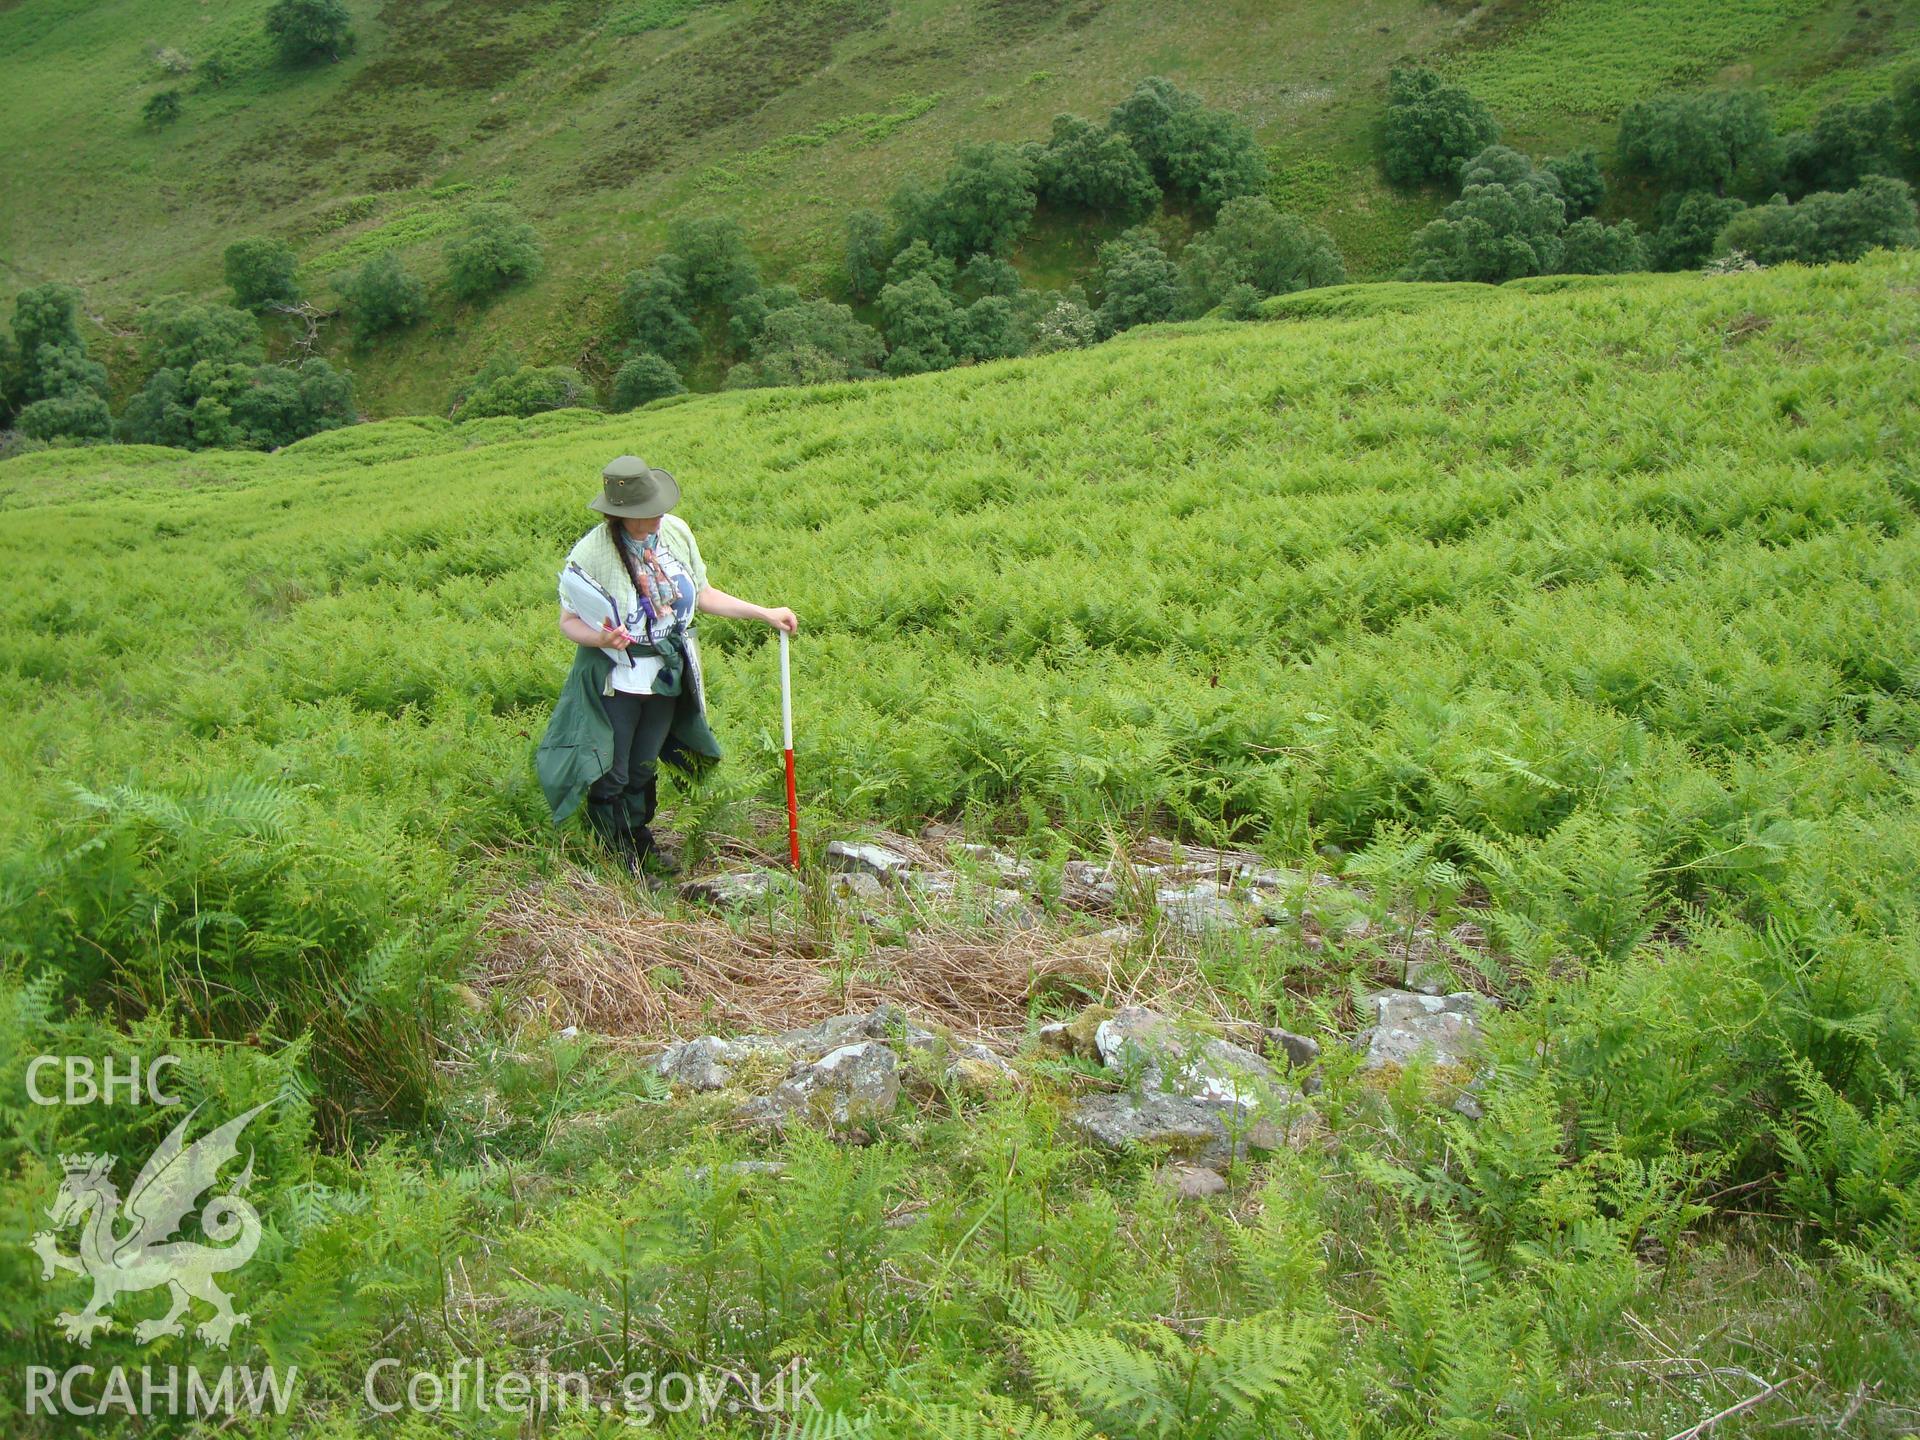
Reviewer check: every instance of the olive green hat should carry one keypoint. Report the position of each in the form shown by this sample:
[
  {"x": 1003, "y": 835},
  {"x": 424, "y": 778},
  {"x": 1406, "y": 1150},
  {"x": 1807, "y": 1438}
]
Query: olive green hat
[{"x": 635, "y": 490}]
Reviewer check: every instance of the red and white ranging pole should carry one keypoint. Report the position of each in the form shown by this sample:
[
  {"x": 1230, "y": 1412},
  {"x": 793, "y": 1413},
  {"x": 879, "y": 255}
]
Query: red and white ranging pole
[{"x": 786, "y": 744}]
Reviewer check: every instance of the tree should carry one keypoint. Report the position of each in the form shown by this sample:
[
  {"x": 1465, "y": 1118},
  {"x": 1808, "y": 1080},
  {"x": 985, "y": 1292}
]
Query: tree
[
  {"x": 919, "y": 320},
  {"x": 642, "y": 377},
  {"x": 383, "y": 295},
  {"x": 1827, "y": 226},
  {"x": 920, "y": 258},
  {"x": 306, "y": 30},
  {"x": 162, "y": 108},
  {"x": 1084, "y": 167},
  {"x": 1590, "y": 248},
  {"x": 1689, "y": 224},
  {"x": 1491, "y": 233},
  {"x": 751, "y": 310},
  {"x": 714, "y": 264},
  {"x": 654, "y": 306},
  {"x": 260, "y": 273},
  {"x": 1906, "y": 107},
  {"x": 1253, "y": 244},
  {"x": 985, "y": 203},
  {"x": 1503, "y": 165},
  {"x": 284, "y": 403},
  {"x": 1208, "y": 156},
  {"x": 869, "y": 247},
  {"x": 811, "y": 343},
  {"x": 180, "y": 334},
  {"x": 1066, "y": 323},
  {"x": 47, "y": 359},
  {"x": 1431, "y": 127},
  {"x": 81, "y": 416},
  {"x": 1581, "y": 184},
  {"x": 992, "y": 328},
  {"x": 523, "y": 390},
  {"x": 1844, "y": 144},
  {"x": 1139, "y": 284},
  {"x": 1722, "y": 141},
  {"x": 495, "y": 249},
  {"x": 64, "y": 370}
]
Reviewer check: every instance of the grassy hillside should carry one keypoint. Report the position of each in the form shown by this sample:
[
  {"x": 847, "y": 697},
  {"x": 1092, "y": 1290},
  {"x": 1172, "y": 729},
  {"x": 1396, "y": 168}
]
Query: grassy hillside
[
  {"x": 602, "y": 119},
  {"x": 1588, "y": 606}
]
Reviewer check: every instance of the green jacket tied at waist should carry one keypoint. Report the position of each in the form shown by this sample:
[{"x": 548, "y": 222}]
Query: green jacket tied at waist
[{"x": 577, "y": 748}]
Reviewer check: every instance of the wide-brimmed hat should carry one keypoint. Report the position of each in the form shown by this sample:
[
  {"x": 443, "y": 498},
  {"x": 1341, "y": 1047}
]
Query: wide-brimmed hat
[{"x": 635, "y": 490}]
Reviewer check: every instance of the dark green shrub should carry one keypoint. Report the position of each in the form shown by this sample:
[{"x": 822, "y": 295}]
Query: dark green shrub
[
  {"x": 1590, "y": 248},
  {"x": 641, "y": 378},
  {"x": 992, "y": 328},
  {"x": 810, "y": 343},
  {"x": 985, "y": 202},
  {"x": 1503, "y": 165},
  {"x": 383, "y": 295},
  {"x": 525, "y": 390},
  {"x": 1723, "y": 141},
  {"x": 494, "y": 250},
  {"x": 919, "y": 320},
  {"x": 214, "y": 72},
  {"x": 1906, "y": 108},
  {"x": 1086, "y": 168},
  {"x": 305, "y": 30},
  {"x": 1844, "y": 144},
  {"x": 1491, "y": 233},
  {"x": 1138, "y": 283},
  {"x": 1582, "y": 185},
  {"x": 920, "y": 258},
  {"x": 64, "y": 370},
  {"x": 1204, "y": 155},
  {"x": 751, "y": 310},
  {"x": 181, "y": 334},
  {"x": 654, "y": 310},
  {"x": 1689, "y": 224},
  {"x": 1827, "y": 226},
  {"x": 78, "y": 415},
  {"x": 162, "y": 108},
  {"x": 261, "y": 273},
  {"x": 1431, "y": 127},
  {"x": 714, "y": 263},
  {"x": 869, "y": 247},
  {"x": 285, "y": 403},
  {"x": 989, "y": 275},
  {"x": 1252, "y": 244}
]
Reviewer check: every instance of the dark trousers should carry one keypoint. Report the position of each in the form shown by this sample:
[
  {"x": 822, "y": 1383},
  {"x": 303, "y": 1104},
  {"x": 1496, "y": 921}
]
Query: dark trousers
[{"x": 621, "y": 803}]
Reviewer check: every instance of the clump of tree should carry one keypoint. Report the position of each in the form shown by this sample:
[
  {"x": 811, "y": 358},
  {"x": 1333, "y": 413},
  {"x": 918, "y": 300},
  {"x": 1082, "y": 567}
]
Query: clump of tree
[
  {"x": 494, "y": 249},
  {"x": 1511, "y": 219},
  {"x": 1139, "y": 284},
  {"x": 1253, "y": 251},
  {"x": 642, "y": 378},
  {"x": 260, "y": 272},
  {"x": 51, "y": 387},
  {"x": 508, "y": 385},
  {"x": 1825, "y": 226},
  {"x": 1085, "y": 169},
  {"x": 810, "y": 342},
  {"x": 935, "y": 315},
  {"x": 208, "y": 385},
  {"x": 307, "y": 30},
  {"x": 1845, "y": 144},
  {"x": 984, "y": 203},
  {"x": 1194, "y": 152},
  {"x": 1432, "y": 127},
  {"x": 382, "y": 295},
  {"x": 1719, "y": 141}
]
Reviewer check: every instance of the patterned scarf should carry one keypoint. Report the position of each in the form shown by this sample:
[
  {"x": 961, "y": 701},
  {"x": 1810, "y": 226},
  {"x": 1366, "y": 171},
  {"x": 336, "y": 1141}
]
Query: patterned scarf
[{"x": 649, "y": 576}]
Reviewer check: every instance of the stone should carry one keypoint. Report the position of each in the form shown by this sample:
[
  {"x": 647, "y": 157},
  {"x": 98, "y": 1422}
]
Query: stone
[
  {"x": 705, "y": 1063},
  {"x": 876, "y": 861},
  {"x": 1198, "y": 1131},
  {"x": 1119, "y": 936},
  {"x": 1428, "y": 977},
  {"x": 1075, "y": 1036},
  {"x": 741, "y": 1167},
  {"x": 1191, "y": 1182},
  {"x": 1012, "y": 909},
  {"x": 845, "y": 1087},
  {"x": 1261, "y": 878},
  {"x": 1001, "y": 863},
  {"x": 886, "y": 1022},
  {"x": 1300, "y": 1050},
  {"x": 733, "y": 889},
  {"x": 1169, "y": 1057},
  {"x": 856, "y": 886},
  {"x": 1446, "y": 1028},
  {"x": 974, "y": 1068},
  {"x": 1199, "y": 908}
]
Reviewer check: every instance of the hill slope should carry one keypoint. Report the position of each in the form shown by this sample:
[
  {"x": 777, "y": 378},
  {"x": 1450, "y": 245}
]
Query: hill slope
[
  {"x": 1594, "y": 596},
  {"x": 602, "y": 119}
]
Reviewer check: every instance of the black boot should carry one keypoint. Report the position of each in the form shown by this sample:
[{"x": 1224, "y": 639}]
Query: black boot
[{"x": 607, "y": 820}]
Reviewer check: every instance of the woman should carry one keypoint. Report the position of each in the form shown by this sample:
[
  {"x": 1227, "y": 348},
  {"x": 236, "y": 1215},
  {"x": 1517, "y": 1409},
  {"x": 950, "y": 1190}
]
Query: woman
[{"x": 634, "y": 697}]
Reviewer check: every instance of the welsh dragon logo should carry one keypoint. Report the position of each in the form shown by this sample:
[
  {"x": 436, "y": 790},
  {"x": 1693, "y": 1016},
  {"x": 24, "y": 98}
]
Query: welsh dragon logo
[{"x": 125, "y": 1248}]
